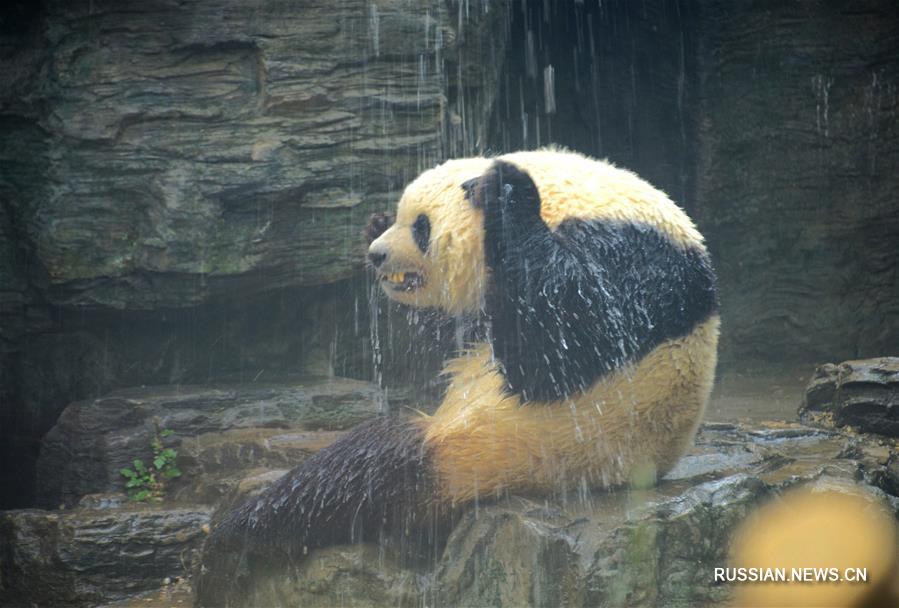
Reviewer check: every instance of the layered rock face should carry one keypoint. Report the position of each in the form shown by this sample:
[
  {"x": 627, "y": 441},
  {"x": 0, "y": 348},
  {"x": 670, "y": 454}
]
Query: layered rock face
[
  {"x": 796, "y": 188},
  {"x": 178, "y": 179},
  {"x": 861, "y": 394},
  {"x": 178, "y": 150}
]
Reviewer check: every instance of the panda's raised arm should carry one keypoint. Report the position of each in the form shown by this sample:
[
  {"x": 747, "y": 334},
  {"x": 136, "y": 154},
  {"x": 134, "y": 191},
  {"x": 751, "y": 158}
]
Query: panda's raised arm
[
  {"x": 512, "y": 219},
  {"x": 570, "y": 305},
  {"x": 532, "y": 271}
]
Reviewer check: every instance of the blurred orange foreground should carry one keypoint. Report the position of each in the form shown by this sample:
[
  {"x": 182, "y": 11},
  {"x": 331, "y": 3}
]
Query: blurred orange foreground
[{"x": 840, "y": 530}]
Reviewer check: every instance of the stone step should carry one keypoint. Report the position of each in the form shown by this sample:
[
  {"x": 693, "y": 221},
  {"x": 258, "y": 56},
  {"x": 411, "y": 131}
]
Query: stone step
[
  {"x": 219, "y": 428},
  {"x": 105, "y": 551}
]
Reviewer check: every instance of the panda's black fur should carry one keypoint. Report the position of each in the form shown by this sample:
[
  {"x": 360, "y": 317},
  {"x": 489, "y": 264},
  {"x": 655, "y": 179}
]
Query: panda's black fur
[{"x": 553, "y": 306}]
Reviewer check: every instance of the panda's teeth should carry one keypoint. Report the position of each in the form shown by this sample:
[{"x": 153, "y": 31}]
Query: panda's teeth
[{"x": 403, "y": 280}]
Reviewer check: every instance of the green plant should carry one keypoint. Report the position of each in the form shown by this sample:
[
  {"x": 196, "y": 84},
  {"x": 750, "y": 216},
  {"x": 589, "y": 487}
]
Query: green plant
[{"x": 149, "y": 482}]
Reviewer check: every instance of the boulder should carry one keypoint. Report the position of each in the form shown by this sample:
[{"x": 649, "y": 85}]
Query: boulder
[
  {"x": 95, "y": 439},
  {"x": 104, "y": 551},
  {"x": 221, "y": 468},
  {"x": 863, "y": 394}
]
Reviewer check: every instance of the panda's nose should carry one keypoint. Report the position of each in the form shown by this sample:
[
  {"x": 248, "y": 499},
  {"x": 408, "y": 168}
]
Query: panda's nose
[{"x": 376, "y": 258}]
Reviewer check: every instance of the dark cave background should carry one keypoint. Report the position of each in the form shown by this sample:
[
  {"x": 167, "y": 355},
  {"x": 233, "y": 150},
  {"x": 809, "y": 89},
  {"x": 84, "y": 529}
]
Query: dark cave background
[{"x": 183, "y": 185}]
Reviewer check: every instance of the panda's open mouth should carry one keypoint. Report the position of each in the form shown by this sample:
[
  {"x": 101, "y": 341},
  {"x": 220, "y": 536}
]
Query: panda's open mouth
[{"x": 403, "y": 281}]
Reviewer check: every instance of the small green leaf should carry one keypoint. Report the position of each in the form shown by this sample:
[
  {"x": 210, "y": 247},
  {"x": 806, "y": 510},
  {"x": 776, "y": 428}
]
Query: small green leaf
[
  {"x": 166, "y": 432},
  {"x": 169, "y": 453},
  {"x": 139, "y": 465},
  {"x": 128, "y": 473},
  {"x": 159, "y": 462},
  {"x": 173, "y": 472},
  {"x": 134, "y": 483},
  {"x": 142, "y": 495}
]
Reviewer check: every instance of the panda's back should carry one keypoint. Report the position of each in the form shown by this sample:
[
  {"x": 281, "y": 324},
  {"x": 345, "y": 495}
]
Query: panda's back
[{"x": 572, "y": 185}]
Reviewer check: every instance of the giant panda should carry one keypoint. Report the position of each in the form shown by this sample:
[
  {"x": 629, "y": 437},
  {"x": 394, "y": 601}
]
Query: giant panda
[{"x": 600, "y": 308}]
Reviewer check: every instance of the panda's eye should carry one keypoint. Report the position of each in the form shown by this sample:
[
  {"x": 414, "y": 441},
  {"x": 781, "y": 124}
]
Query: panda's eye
[{"x": 421, "y": 232}]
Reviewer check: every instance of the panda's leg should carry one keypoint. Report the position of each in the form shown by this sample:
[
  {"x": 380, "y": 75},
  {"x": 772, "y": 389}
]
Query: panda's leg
[{"x": 376, "y": 478}]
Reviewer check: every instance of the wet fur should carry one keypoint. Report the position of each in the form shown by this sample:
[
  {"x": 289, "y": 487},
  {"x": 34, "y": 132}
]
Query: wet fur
[
  {"x": 571, "y": 305},
  {"x": 372, "y": 481}
]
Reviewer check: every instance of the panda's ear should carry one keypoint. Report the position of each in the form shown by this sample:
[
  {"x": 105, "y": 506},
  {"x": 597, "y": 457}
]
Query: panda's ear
[
  {"x": 470, "y": 188},
  {"x": 504, "y": 189}
]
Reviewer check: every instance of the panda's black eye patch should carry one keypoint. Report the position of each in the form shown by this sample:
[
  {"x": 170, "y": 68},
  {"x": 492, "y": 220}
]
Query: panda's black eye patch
[{"x": 421, "y": 232}]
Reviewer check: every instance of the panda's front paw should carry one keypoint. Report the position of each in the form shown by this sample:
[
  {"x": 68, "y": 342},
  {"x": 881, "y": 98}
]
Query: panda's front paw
[{"x": 378, "y": 225}]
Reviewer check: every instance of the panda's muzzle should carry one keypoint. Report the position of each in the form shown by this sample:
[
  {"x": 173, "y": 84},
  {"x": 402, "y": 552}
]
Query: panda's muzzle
[{"x": 396, "y": 280}]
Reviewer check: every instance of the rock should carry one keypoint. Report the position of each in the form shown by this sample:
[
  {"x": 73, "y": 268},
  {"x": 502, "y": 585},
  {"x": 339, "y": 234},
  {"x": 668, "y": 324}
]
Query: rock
[
  {"x": 85, "y": 557},
  {"x": 360, "y": 577},
  {"x": 629, "y": 547},
  {"x": 176, "y": 595},
  {"x": 95, "y": 439},
  {"x": 14, "y": 293},
  {"x": 793, "y": 141},
  {"x": 181, "y": 151},
  {"x": 221, "y": 468},
  {"x": 863, "y": 394}
]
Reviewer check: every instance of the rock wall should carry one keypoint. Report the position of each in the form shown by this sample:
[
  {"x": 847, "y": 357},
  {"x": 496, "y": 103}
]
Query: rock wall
[
  {"x": 169, "y": 151},
  {"x": 797, "y": 188},
  {"x": 614, "y": 80},
  {"x": 183, "y": 183}
]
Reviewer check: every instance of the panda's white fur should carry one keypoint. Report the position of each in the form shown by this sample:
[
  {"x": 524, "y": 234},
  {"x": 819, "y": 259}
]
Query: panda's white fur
[{"x": 570, "y": 185}]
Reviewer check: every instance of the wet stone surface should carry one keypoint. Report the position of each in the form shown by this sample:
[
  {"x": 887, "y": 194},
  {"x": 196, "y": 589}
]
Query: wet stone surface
[
  {"x": 648, "y": 547},
  {"x": 637, "y": 548},
  {"x": 251, "y": 142},
  {"x": 85, "y": 556},
  {"x": 863, "y": 394},
  {"x": 94, "y": 439}
]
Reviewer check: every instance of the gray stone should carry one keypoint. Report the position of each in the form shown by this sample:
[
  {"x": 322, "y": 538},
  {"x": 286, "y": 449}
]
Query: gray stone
[
  {"x": 95, "y": 439},
  {"x": 796, "y": 191},
  {"x": 156, "y": 156},
  {"x": 646, "y": 547},
  {"x": 222, "y": 468},
  {"x": 863, "y": 394},
  {"x": 85, "y": 556},
  {"x": 358, "y": 577},
  {"x": 649, "y": 547}
]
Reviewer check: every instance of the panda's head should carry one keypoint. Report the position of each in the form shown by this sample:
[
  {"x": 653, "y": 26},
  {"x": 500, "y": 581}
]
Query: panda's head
[{"x": 432, "y": 255}]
